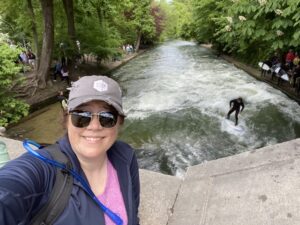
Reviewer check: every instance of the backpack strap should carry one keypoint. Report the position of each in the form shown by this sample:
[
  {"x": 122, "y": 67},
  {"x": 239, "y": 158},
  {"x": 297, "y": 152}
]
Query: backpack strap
[{"x": 60, "y": 194}]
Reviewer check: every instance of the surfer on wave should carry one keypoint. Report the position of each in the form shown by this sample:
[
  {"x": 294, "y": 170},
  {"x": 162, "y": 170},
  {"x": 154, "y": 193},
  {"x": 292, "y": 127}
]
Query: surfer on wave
[{"x": 235, "y": 105}]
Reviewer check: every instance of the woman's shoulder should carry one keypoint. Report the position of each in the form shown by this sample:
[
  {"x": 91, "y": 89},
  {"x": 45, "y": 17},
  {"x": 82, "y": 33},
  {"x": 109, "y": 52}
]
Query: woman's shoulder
[
  {"x": 28, "y": 164},
  {"x": 26, "y": 175}
]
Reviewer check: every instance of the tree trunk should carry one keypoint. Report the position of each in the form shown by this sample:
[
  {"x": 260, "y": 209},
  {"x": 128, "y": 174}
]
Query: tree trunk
[
  {"x": 99, "y": 13},
  {"x": 34, "y": 33},
  {"x": 68, "y": 7},
  {"x": 138, "y": 40},
  {"x": 48, "y": 39}
]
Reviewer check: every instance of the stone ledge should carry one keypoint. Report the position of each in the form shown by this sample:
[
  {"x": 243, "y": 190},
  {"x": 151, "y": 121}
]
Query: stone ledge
[{"x": 254, "y": 187}]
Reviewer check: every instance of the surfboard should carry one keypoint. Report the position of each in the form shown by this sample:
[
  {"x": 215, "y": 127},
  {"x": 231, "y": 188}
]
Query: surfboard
[
  {"x": 277, "y": 69},
  {"x": 232, "y": 125},
  {"x": 229, "y": 126},
  {"x": 285, "y": 77},
  {"x": 264, "y": 66}
]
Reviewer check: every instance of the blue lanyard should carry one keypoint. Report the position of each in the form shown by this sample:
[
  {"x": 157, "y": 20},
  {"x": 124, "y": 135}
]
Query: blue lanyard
[{"x": 113, "y": 216}]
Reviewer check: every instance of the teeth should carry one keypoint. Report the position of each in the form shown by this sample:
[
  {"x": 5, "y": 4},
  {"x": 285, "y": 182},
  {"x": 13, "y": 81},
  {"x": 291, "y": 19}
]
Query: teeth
[{"x": 92, "y": 138}]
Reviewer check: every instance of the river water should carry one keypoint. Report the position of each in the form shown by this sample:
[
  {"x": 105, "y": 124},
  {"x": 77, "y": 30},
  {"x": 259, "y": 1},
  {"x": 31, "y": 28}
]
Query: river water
[{"x": 176, "y": 97}]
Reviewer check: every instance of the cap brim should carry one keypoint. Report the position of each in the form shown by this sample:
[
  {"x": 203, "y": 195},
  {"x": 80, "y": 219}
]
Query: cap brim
[{"x": 79, "y": 101}]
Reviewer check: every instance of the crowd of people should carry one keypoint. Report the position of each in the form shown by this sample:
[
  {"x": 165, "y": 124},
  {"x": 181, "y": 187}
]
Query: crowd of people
[{"x": 285, "y": 68}]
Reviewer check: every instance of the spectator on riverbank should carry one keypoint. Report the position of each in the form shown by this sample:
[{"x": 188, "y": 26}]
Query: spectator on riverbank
[
  {"x": 296, "y": 59},
  {"x": 31, "y": 59},
  {"x": 295, "y": 75},
  {"x": 57, "y": 70},
  {"x": 129, "y": 49},
  {"x": 289, "y": 58},
  {"x": 24, "y": 57},
  {"x": 65, "y": 74},
  {"x": 272, "y": 63}
]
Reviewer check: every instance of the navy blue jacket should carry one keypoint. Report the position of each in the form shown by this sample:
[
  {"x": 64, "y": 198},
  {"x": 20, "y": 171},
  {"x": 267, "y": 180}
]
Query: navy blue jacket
[{"x": 26, "y": 182}]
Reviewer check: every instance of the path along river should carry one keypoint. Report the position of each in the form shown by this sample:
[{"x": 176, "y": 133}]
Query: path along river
[{"x": 176, "y": 97}]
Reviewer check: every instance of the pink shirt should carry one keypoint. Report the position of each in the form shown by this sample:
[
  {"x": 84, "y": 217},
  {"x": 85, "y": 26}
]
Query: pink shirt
[{"x": 112, "y": 196}]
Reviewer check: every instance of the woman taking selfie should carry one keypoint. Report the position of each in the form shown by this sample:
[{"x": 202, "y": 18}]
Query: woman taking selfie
[{"x": 105, "y": 179}]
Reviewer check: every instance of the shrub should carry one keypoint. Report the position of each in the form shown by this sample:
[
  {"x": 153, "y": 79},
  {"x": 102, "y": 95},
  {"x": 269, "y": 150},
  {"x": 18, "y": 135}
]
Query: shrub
[{"x": 11, "y": 109}]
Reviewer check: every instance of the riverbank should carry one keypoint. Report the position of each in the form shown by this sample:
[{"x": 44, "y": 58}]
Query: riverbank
[
  {"x": 48, "y": 95},
  {"x": 284, "y": 86},
  {"x": 44, "y": 97}
]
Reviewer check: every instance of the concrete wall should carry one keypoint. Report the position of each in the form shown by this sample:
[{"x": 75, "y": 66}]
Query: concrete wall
[{"x": 259, "y": 187}]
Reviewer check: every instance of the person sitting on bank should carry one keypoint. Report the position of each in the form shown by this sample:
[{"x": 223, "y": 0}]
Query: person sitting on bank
[
  {"x": 235, "y": 105},
  {"x": 65, "y": 74},
  {"x": 295, "y": 75},
  {"x": 289, "y": 59},
  {"x": 31, "y": 59},
  {"x": 57, "y": 70}
]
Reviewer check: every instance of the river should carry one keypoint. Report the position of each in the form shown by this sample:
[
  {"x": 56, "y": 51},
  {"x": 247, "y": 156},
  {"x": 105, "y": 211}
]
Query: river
[{"x": 176, "y": 97}]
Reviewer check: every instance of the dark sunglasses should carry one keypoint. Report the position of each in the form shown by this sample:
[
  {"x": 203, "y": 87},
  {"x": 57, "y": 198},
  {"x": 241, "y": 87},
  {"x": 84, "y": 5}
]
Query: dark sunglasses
[{"x": 82, "y": 119}]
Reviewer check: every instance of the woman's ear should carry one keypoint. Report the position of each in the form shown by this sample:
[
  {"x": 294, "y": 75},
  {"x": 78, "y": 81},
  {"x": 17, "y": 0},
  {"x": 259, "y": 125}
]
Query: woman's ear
[
  {"x": 121, "y": 120},
  {"x": 65, "y": 120}
]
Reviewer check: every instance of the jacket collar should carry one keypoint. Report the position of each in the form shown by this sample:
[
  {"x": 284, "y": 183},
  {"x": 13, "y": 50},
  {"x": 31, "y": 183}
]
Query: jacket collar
[
  {"x": 65, "y": 147},
  {"x": 116, "y": 152}
]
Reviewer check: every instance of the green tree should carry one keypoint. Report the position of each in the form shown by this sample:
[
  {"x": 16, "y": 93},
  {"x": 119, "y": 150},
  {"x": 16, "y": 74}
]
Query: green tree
[
  {"x": 98, "y": 36},
  {"x": 11, "y": 109},
  {"x": 35, "y": 35},
  {"x": 47, "y": 24},
  {"x": 251, "y": 30},
  {"x": 178, "y": 19},
  {"x": 159, "y": 16},
  {"x": 69, "y": 12},
  {"x": 203, "y": 24},
  {"x": 141, "y": 20}
]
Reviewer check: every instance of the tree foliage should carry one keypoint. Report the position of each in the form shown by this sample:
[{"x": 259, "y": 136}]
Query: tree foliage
[
  {"x": 52, "y": 29},
  {"x": 251, "y": 29},
  {"x": 178, "y": 19},
  {"x": 159, "y": 19},
  {"x": 101, "y": 27},
  {"x": 11, "y": 109}
]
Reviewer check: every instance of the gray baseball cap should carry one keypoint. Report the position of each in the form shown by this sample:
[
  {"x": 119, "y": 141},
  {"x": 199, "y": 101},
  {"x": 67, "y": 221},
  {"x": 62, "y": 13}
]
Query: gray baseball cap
[{"x": 89, "y": 88}]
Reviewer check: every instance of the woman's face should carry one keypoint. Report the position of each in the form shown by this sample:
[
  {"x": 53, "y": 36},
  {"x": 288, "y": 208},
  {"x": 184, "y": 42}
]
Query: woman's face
[{"x": 93, "y": 141}]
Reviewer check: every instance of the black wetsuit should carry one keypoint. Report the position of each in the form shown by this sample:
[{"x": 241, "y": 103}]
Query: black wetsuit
[{"x": 235, "y": 105}]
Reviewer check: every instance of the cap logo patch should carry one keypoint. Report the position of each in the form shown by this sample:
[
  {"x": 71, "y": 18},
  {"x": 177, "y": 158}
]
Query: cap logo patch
[{"x": 100, "y": 85}]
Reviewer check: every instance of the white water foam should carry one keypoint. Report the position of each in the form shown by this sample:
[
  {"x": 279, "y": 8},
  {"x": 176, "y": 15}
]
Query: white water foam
[{"x": 173, "y": 78}]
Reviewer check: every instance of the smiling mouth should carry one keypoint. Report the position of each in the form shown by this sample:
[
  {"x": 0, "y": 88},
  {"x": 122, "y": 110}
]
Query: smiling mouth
[{"x": 93, "y": 139}]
